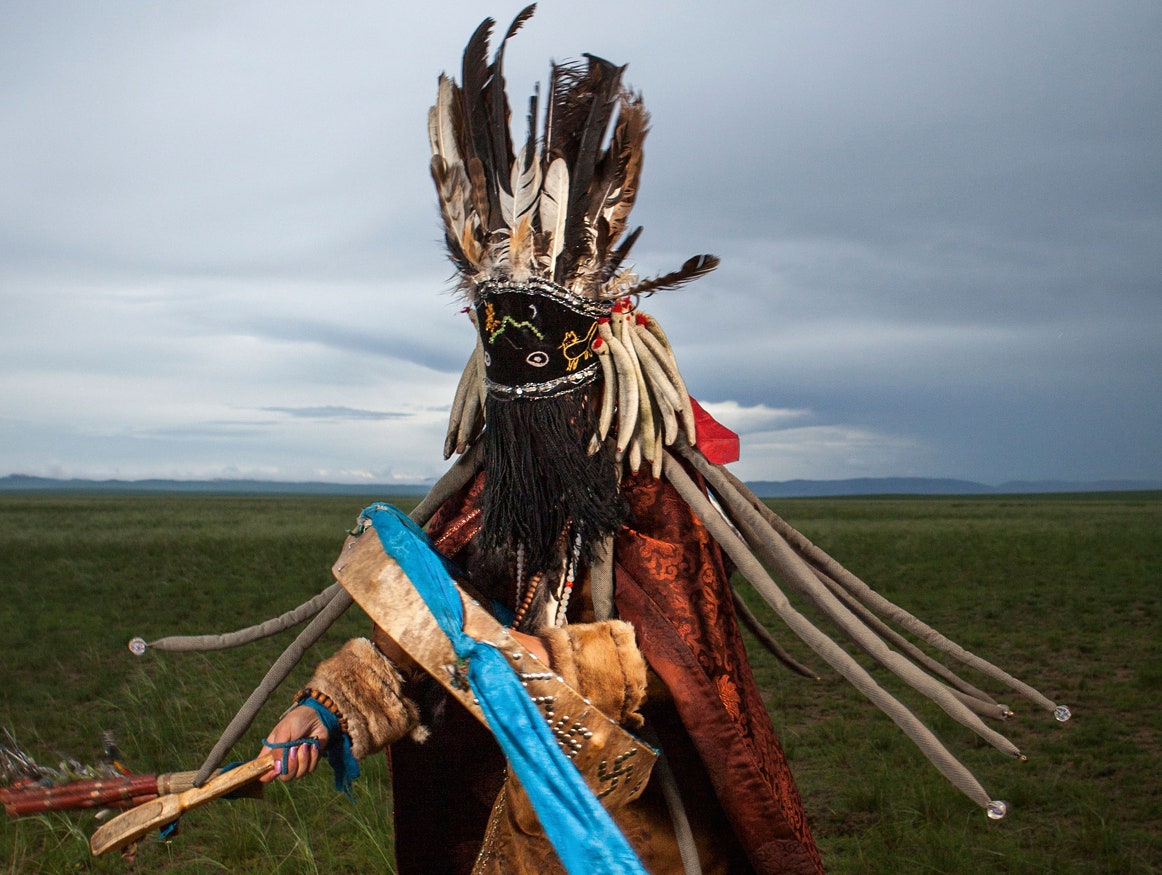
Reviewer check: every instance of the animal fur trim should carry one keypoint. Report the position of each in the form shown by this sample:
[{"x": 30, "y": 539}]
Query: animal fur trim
[
  {"x": 602, "y": 662},
  {"x": 367, "y": 689}
]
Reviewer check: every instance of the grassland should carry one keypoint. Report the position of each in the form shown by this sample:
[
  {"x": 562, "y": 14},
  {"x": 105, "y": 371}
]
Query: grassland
[{"x": 1064, "y": 591}]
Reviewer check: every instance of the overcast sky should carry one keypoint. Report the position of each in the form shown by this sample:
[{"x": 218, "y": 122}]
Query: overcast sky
[{"x": 940, "y": 225}]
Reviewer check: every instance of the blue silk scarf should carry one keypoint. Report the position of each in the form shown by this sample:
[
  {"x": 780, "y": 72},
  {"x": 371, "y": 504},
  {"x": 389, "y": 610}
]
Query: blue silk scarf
[{"x": 580, "y": 829}]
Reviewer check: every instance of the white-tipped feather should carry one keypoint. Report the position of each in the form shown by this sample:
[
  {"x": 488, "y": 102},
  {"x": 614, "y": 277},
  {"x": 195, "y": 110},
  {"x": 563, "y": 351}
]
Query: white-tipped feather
[
  {"x": 520, "y": 211},
  {"x": 526, "y": 185},
  {"x": 506, "y": 208},
  {"x": 441, "y": 131},
  {"x": 434, "y": 128},
  {"x": 554, "y": 207}
]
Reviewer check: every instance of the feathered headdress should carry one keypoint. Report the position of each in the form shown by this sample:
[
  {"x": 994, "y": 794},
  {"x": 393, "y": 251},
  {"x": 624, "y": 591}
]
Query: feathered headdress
[{"x": 540, "y": 237}]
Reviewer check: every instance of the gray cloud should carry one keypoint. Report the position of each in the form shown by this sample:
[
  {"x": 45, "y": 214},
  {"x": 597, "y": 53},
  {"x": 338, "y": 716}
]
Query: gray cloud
[
  {"x": 941, "y": 228},
  {"x": 332, "y": 412}
]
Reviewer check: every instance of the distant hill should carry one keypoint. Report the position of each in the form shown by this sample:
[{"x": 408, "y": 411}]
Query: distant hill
[
  {"x": 938, "y": 486},
  {"x": 762, "y": 488},
  {"x": 23, "y": 483},
  {"x": 866, "y": 486}
]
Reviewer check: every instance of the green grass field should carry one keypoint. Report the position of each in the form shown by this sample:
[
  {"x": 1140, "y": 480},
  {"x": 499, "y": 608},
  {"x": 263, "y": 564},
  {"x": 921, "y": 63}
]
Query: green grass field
[{"x": 1063, "y": 591}]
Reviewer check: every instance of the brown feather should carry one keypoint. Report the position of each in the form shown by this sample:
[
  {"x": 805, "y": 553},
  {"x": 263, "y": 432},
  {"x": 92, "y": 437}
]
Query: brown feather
[
  {"x": 479, "y": 185},
  {"x": 443, "y": 122},
  {"x": 632, "y": 127},
  {"x": 695, "y": 267},
  {"x": 440, "y": 177},
  {"x": 520, "y": 249},
  {"x": 526, "y": 184}
]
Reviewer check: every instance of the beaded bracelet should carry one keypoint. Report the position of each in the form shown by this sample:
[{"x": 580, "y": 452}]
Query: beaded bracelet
[{"x": 326, "y": 701}]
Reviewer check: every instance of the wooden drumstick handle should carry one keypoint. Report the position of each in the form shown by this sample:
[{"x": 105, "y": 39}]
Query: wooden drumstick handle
[{"x": 127, "y": 828}]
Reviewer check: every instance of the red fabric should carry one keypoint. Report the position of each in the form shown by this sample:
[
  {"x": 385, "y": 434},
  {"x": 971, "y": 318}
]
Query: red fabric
[
  {"x": 717, "y": 442},
  {"x": 671, "y": 585}
]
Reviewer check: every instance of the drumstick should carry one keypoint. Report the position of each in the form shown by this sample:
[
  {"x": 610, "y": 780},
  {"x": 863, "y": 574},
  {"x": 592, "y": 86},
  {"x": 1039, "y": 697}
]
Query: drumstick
[{"x": 127, "y": 828}]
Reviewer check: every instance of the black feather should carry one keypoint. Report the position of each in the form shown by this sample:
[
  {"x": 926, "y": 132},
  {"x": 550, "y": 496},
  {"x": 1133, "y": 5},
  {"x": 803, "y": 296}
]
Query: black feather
[
  {"x": 473, "y": 78},
  {"x": 518, "y": 22},
  {"x": 476, "y": 74},
  {"x": 498, "y": 139},
  {"x": 561, "y": 133},
  {"x": 531, "y": 142},
  {"x": 582, "y": 102},
  {"x": 618, "y": 255},
  {"x": 603, "y": 84},
  {"x": 695, "y": 267},
  {"x": 496, "y": 101}
]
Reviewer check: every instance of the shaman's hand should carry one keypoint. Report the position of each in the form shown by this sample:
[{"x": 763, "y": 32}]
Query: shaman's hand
[{"x": 300, "y": 722}]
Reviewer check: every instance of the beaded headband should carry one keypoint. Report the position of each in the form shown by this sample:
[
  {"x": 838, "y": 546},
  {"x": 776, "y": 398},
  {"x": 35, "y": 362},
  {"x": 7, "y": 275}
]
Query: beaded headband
[{"x": 537, "y": 338}]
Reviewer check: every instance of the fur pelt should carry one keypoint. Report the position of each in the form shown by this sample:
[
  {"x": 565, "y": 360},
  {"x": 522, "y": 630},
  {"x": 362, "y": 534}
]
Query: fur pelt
[
  {"x": 367, "y": 689},
  {"x": 602, "y": 662}
]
